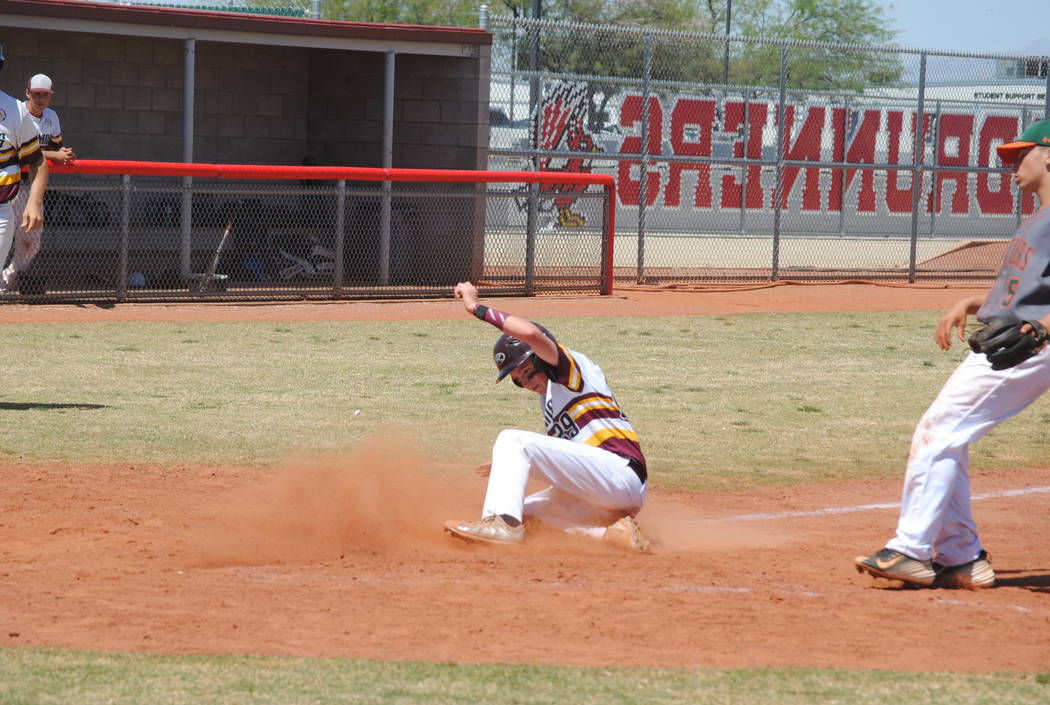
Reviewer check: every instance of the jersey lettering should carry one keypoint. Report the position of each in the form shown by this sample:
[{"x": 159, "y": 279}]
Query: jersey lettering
[
  {"x": 1019, "y": 254},
  {"x": 563, "y": 427}
]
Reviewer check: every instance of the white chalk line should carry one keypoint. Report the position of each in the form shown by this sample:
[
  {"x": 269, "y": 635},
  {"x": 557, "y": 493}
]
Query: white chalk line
[{"x": 863, "y": 507}]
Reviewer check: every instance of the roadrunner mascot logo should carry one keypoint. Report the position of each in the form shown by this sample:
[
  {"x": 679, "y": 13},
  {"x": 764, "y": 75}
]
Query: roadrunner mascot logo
[{"x": 560, "y": 125}]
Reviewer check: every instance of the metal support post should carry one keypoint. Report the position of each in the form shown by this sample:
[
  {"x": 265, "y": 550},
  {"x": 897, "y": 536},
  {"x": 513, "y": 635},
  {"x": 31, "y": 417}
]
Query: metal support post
[
  {"x": 779, "y": 175},
  {"x": 338, "y": 242},
  {"x": 643, "y": 179},
  {"x": 842, "y": 172},
  {"x": 125, "y": 236},
  {"x": 189, "y": 65},
  {"x": 388, "y": 160},
  {"x": 918, "y": 149},
  {"x": 532, "y": 214},
  {"x": 936, "y": 175}
]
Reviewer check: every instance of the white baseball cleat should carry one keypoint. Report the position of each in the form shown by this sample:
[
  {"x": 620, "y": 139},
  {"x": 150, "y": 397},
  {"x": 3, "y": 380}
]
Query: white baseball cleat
[
  {"x": 894, "y": 565},
  {"x": 974, "y": 575},
  {"x": 491, "y": 529}
]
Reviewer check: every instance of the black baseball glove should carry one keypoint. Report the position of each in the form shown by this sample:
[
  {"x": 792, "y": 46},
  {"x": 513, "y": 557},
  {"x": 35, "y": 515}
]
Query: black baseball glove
[{"x": 1004, "y": 343}]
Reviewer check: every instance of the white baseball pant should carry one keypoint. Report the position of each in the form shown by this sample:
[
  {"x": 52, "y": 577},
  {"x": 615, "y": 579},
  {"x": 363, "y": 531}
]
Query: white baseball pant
[
  {"x": 26, "y": 245},
  {"x": 7, "y": 229},
  {"x": 590, "y": 488},
  {"x": 936, "y": 520}
]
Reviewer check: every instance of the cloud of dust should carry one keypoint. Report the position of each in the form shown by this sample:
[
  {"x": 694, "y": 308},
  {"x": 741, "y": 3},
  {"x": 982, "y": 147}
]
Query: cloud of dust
[
  {"x": 378, "y": 497},
  {"x": 675, "y": 526}
]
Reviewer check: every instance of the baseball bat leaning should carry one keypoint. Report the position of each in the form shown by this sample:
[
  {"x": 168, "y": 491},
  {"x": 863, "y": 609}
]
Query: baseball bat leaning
[{"x": 213, "y": 263}]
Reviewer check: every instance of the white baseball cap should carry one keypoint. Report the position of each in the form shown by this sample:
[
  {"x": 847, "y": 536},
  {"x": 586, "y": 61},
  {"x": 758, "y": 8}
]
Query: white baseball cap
[{"x": 40, "y": 82}]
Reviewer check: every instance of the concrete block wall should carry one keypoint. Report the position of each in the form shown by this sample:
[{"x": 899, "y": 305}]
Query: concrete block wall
[
  {"x": 436, "y": 111},
  {"x": 120, "y": 97}
]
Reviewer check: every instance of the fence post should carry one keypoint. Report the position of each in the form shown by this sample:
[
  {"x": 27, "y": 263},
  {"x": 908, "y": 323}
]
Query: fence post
[
  {"x": 189, "y": 84},
  {"x": 338, "y": 240},
  {"x": 935, "y": 175},
  {"x": 778, "y": 186},
  {"x": 1018, "y": 193},
  {"x": 125, "y": 237},
  {"x": 388, "y": 162},
  {"x": 533, "y": 215},
  {"x": 643, "y": 181},
  {"x": 918, "y": 152},
  {"x": 608, "y": 242},
  {"x": 744, "y": 168},
  {"x": 842, "y": 172},
  {"x": 1046, "y": 92}
]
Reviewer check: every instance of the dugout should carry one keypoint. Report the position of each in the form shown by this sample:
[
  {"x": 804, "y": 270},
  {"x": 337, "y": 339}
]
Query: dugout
[{"x": 178, "y": 85}]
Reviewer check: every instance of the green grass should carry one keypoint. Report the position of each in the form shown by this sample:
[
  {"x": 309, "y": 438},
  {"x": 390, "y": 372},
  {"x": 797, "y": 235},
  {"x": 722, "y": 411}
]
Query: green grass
[
  {"x": 720, "y": 402},
  {"x": 45, "y": 677}
]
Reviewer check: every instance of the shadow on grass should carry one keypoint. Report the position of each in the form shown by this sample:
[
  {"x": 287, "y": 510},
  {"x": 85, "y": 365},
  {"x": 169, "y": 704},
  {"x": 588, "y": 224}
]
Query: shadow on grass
[{"x": 40, "y": 406}]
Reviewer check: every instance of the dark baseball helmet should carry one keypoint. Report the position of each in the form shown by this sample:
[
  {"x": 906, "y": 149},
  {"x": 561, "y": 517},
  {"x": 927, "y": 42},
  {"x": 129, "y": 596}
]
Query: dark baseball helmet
[{"x": 509, "y": 352}]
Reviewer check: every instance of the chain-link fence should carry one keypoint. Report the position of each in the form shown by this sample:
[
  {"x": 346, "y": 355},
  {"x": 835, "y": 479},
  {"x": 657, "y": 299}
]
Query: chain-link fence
[
  {"x": 742, "y": 159},
  {"x": 127, "y": 235},
  {"x": 274, "y": 8}
]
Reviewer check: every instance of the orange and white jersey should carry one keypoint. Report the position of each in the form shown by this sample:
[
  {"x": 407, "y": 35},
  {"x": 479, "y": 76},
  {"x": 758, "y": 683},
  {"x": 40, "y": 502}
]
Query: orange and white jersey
[
  {"x": 19, "y": 144},
  {"x": 580, "y": 407}
]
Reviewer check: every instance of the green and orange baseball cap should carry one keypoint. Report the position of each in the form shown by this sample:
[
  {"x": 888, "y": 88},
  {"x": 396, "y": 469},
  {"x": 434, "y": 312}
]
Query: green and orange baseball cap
[{"x": 1038, "y": 133}]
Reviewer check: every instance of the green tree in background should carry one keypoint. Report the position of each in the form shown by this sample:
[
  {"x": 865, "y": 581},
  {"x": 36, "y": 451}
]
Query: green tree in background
[
  {"x": 827, "y": 21},
  {"x": 591, "y": 53},
  {"x": 446, "y": 13}
]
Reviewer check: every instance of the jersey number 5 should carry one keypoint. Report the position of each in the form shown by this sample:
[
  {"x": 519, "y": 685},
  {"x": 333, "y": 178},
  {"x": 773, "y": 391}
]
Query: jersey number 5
[{"x": 1011, "y": 291}]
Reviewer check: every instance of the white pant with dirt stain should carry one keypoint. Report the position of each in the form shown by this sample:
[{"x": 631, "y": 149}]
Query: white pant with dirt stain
[
  {"x": 590, "y": 488},
  {"x": 936, "y": 520},
  {"x": 26, "y": 245}
]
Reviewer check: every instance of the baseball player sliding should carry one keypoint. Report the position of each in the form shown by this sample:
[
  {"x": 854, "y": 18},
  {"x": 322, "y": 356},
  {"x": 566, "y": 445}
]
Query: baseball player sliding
[
  {"x": 590, "y": 455},
  {"x": 1008, "y": 369}
]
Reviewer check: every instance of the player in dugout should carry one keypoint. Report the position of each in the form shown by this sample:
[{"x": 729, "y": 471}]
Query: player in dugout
[
  {"x": 1008, "y": 369},
  {"x": 590, "y": 455}
]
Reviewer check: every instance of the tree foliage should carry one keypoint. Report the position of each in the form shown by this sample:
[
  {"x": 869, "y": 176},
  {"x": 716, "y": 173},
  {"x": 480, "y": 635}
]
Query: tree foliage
[
  {"x": 674, "y": 60},
  {"x": 858, "y": 22},
  {"x": 447, "y": 13}
]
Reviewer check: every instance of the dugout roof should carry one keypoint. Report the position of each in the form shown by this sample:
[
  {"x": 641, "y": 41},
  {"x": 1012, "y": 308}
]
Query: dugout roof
[{"x": 170, "y": 23}]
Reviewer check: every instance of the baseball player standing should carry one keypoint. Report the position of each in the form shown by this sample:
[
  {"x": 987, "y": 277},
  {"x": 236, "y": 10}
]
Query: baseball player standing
[
  {"x": 590, "y": 455},
  {"x": 49, "y": 131},
  {"x": 936, "y": 541},
  {"x": 19, "y": 146}
]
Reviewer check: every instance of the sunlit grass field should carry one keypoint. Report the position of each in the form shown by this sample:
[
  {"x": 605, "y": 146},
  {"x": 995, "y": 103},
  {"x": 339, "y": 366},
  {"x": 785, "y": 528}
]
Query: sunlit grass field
[{"x": 719, "y": 401}]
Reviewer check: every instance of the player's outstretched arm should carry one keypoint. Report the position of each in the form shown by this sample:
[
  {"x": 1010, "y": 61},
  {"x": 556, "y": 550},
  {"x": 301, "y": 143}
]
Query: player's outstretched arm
[
  {"x": 516, "y": 326},
  {"x": 955, "y": 319},
  {"x": 33, "y": 215}
]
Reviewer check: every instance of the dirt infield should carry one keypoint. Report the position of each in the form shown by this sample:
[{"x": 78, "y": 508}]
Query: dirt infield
[
  {"x": 344, "y": 556},
  {"x": 784, "y": 297}
]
